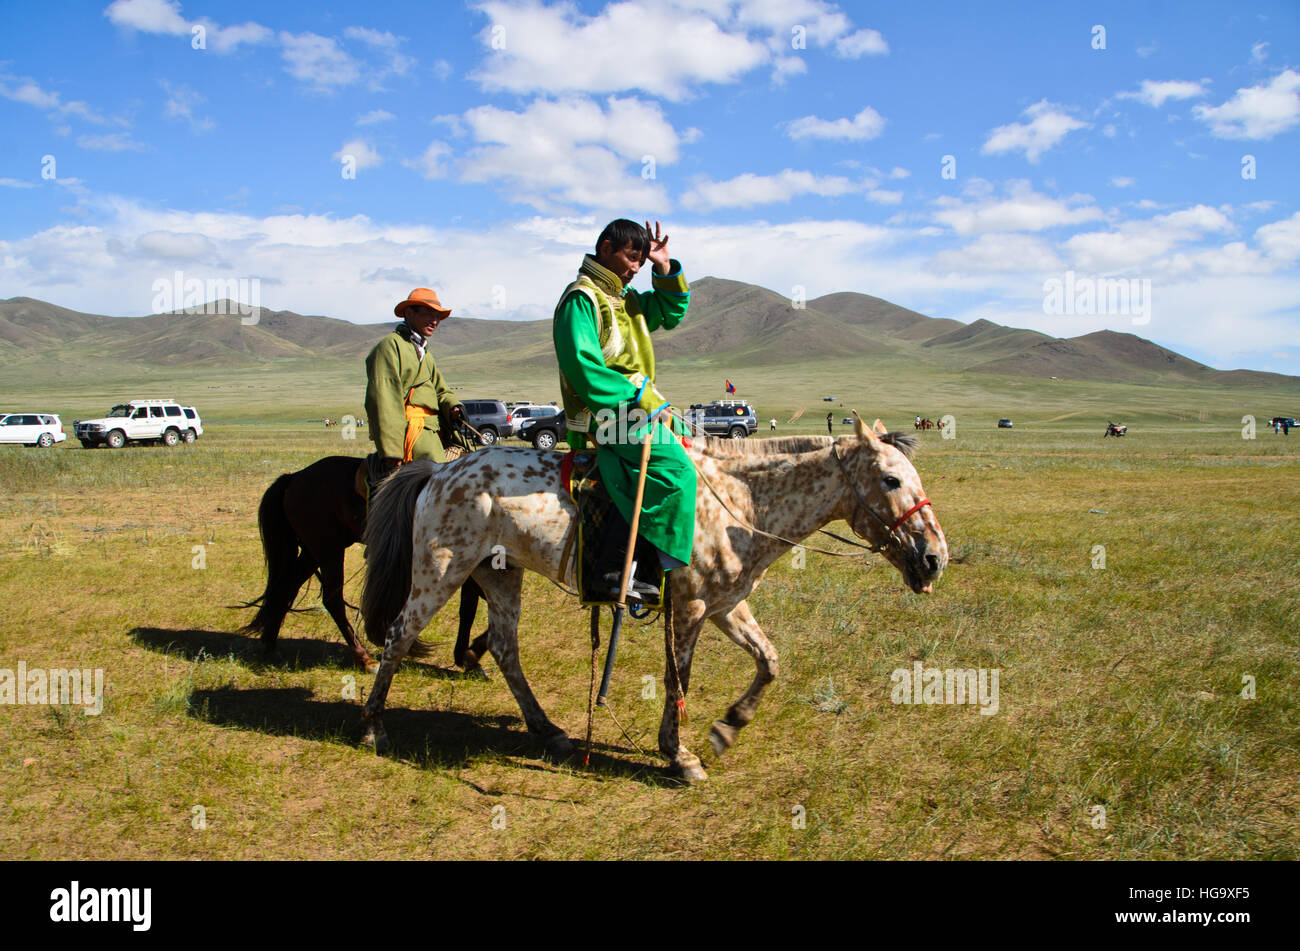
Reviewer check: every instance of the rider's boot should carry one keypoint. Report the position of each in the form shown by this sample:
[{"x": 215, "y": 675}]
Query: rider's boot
[{"x": 613, "y": 552}]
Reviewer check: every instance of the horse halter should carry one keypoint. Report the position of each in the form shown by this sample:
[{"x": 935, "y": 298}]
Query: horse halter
[{"x": 891, "y": 530}]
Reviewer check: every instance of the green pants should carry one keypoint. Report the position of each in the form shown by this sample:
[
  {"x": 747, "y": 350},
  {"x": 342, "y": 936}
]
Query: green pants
[{"x": 668, "y": 505}]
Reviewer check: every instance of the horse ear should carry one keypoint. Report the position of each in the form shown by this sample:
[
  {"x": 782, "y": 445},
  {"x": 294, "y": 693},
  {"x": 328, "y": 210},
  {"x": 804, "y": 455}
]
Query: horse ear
[
  {"x": 860, "y": 428},
  {"x": 879, "y": 428}
]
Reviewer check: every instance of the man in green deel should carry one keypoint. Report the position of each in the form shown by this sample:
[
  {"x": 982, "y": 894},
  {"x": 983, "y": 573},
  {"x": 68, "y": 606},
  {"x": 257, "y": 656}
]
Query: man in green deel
[
  {"x": 407, "y": 400},
  {"x": 607, "y": 373}
]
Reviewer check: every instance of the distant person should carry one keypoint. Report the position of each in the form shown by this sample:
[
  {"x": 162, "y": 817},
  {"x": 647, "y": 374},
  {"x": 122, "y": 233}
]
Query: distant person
[
  {"x": 1286, "y": 426},
  {"x": 829, "y": 417},
  {"x": 407, "y": 399},
  {"x": 772, "y": 428}
]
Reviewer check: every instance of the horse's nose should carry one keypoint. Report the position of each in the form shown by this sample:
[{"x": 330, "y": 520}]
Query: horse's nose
[{"x": 932, "y": 562}]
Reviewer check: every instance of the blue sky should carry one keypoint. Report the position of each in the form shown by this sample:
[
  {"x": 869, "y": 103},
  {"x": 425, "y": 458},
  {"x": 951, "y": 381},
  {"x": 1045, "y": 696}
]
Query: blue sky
[{"x": 948, "y": 158}]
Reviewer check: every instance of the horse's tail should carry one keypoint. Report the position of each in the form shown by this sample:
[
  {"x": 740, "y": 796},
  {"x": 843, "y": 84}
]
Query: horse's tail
[
  {"x": 388, "y": 541},
  {"x": 280, "y": 547}
]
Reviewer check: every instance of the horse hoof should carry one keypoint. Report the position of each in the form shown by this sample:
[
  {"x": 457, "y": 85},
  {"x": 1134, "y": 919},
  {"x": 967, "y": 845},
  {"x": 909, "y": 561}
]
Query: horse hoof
[
  {"x": 560, "y": 746},
  {"x": 475, "y": 673},
  {"x": 377, "y": 739},
  {"x": 693, "y": 774},
  {"x": 721, "y": 737}
]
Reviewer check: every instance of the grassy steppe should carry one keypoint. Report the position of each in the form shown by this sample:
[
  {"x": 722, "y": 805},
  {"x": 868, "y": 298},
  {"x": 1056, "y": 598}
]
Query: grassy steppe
[{"x": 1120, "y": 686}]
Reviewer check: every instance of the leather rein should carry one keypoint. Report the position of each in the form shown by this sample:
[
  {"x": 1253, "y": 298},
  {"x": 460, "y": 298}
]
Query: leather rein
[{"x": 892, "y": 539}]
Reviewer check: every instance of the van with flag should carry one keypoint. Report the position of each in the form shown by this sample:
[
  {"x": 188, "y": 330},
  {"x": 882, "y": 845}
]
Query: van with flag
[{"x": 734, "y": 419}]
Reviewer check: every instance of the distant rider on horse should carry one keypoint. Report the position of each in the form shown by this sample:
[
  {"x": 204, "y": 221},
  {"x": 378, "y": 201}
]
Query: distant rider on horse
[{"x": 602, "y": 342}]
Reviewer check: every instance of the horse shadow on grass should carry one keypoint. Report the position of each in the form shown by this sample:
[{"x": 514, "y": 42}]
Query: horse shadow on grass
[
  {"x": 292, "y": 653},
  {"x": 427, "y": 739}
]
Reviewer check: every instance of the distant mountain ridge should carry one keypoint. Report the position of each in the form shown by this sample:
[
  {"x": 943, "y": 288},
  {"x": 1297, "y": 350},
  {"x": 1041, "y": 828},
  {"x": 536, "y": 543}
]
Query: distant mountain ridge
[{"x": 731, "y": 324}]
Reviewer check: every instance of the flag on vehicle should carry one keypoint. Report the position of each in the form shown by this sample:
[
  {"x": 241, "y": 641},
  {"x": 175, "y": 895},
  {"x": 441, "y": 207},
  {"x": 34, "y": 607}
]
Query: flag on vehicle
[{"x": 731, "y": 387}]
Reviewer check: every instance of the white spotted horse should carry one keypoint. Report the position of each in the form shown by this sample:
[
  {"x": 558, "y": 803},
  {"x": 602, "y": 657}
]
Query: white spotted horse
[{"x": 431, "y": 529}]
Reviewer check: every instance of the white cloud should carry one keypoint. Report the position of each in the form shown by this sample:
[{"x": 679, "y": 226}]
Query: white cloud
[
  {"x": 1259, "y": 112},
  {"x": 532, "y": 48},
  {"x": 1281, "y": 239},
  {"x": 1022, "y": 210},
  {"x": 430, "y": 162},
  {"x": 31, "y": 94},
  {"x": 111, "y": 142},
  {"x": 361, "y": 153},
  {"x": 862, "y": 43},
  {"x": 164, "y": 17},
  {"x": 571, "y": 152},
  {"x": 386, "y": 44},
  {"x": 867, "y": 124},
  {"x": 180, "y": 104},
  {"x": 148, "y": 16},
  {"x": 318, "y": 60},
  {"x": 226, "y": 39},
  {"x": 885, "y": 196},
  {"x": 993, "y": 253},
  {"x": 745, "y": 191},
  {"x": 373, "y": 116},
  {"x": 1259, "y": 52},
  {"x": 1138, "y": 243},
  {"x": 1048, "y": 126},
  {"x": 680, "y": 44},
  {"x": 1122, "y": 181},
  {"x": 174, "y": 246},
  {"x": 1156, "y": 92},
  {"x": 15, "y": 183}
]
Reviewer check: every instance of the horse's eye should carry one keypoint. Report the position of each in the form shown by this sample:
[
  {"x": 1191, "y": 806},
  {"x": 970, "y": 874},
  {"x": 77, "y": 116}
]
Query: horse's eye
[{"x": 891, "y": 482}]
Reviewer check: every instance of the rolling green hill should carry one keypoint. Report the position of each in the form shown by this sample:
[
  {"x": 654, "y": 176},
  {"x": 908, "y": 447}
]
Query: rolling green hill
[{"x": 863, "y": 351}]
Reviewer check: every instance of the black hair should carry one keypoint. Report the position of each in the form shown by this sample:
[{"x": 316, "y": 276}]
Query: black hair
[{"x": 620, "y": 232}]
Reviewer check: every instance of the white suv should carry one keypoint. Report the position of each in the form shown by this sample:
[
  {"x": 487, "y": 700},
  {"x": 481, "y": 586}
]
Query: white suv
[
  {"x": 520, "y": 413},
  {"x": 163, "y": 421},
  {"x": 31, "y": 429}
]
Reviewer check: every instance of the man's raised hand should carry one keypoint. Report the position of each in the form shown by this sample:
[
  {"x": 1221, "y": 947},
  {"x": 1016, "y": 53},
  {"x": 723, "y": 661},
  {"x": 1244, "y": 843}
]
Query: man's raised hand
[{"x": 658, "y": 254}]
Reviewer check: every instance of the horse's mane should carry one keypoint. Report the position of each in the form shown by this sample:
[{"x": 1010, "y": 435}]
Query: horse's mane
[{"x": 718, "y": 446}]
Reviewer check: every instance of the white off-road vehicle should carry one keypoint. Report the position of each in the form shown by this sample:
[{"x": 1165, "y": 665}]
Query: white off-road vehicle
[{"x": 164, "y": 421}]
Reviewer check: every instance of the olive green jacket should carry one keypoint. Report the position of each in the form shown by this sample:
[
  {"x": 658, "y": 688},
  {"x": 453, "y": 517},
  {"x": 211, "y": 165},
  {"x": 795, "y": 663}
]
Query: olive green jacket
[{"x": 393, "y": 370}]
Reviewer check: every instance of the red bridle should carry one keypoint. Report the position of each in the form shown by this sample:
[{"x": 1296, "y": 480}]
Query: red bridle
[
  {"x": 909, "y": 513},
  {"x": 862, "y": 503}
]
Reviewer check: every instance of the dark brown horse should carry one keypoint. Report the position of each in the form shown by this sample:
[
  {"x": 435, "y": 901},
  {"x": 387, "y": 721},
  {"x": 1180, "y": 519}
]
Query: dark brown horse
[{"x": 308, "y": 519}]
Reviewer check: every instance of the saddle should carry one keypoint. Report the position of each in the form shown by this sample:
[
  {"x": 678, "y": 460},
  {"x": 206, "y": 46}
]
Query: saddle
[{"x": 581, "y": 478}]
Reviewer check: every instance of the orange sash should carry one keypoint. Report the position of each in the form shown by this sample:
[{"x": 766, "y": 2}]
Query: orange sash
[{"x": 415, "y": 417}]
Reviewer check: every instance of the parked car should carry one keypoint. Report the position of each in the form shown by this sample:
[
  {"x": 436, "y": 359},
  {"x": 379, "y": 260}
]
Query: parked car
[
  {"x": 521, "y": 412},
  {"x": 732, "y": 418},
  {"x": 545, "y": 432},
  {"x": 1005, "y": 423},
  {"x": 489, "y": 417},
  {"x": 162, "y": 421},
  {"x": 31, "y": 429},
  {"x": 194, "y": 429}
]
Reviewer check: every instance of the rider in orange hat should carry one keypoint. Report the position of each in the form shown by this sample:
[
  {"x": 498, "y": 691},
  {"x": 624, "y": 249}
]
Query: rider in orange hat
[{"x": 407, "y": 399}]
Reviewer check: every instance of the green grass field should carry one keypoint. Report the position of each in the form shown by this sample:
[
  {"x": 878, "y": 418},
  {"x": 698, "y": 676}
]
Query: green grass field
[{"x": 1122, "y": 731}]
